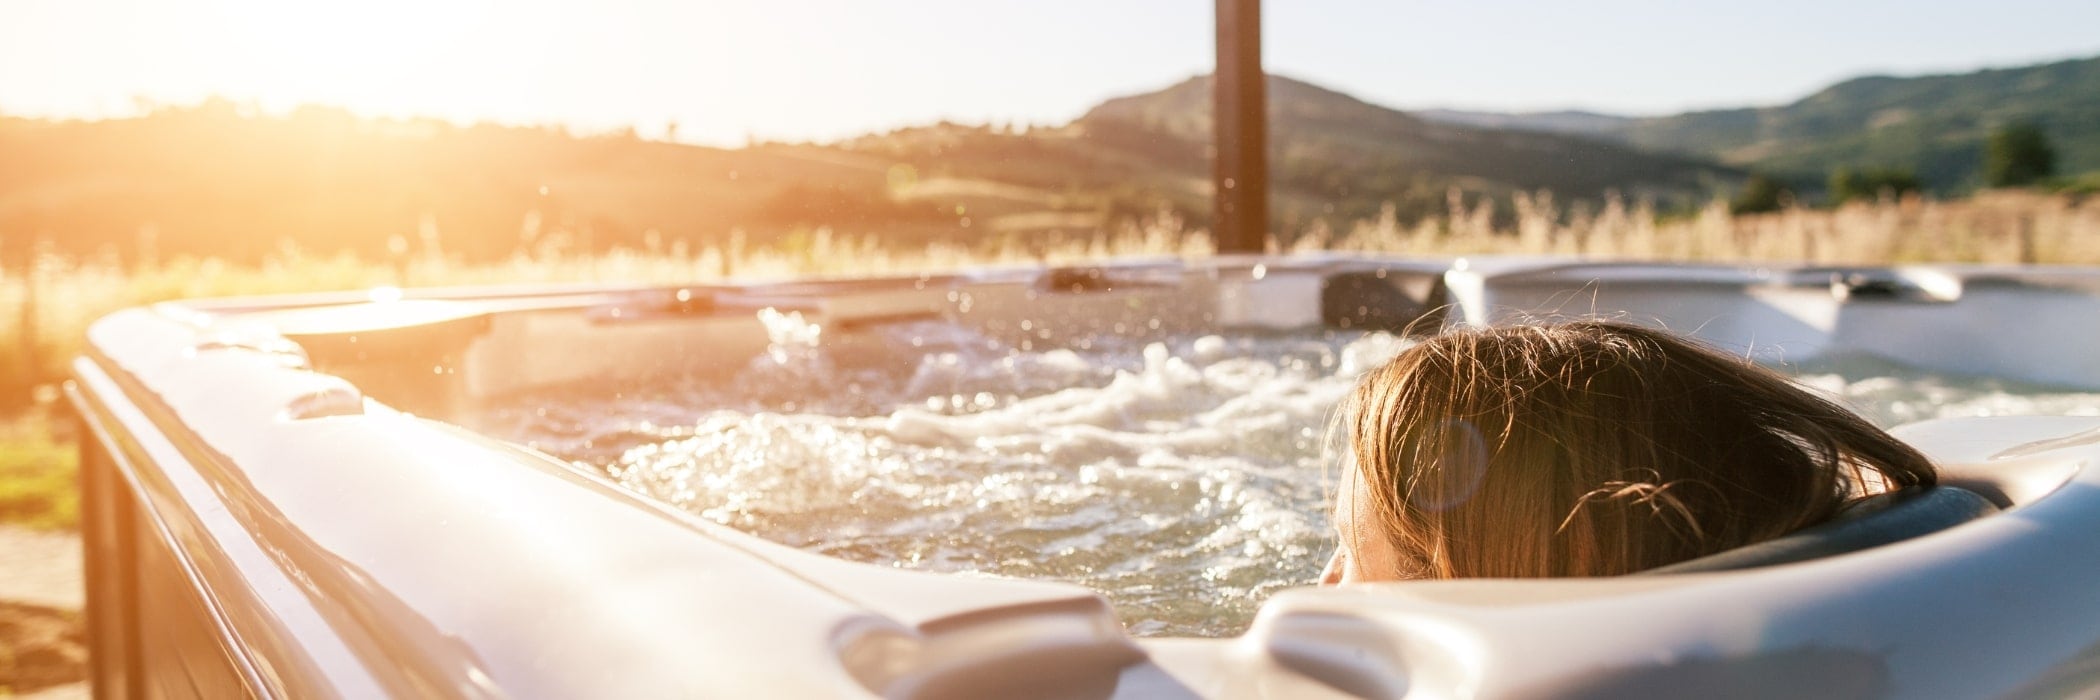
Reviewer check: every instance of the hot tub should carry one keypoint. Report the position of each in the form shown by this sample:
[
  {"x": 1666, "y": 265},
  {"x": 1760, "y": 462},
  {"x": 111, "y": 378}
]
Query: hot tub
[{"x": 280, "y": 501}]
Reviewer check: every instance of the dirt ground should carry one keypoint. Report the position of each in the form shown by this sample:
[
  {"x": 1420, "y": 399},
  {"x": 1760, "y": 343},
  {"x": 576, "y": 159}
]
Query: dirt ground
[{"x": 43, "y": 651}]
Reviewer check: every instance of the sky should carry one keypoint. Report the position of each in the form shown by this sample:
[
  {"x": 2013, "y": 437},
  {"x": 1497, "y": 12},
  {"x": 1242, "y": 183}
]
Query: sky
[{"x": 729, "y": 72}]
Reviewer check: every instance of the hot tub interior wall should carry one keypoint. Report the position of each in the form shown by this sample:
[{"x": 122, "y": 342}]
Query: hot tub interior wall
[
  {"x": 441, "y": 369},
  {"x": 1988, "y": 324}
]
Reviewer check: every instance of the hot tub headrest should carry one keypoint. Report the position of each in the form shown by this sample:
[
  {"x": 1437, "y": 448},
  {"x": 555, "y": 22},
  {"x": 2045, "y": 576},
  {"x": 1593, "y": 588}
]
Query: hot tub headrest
[{"x": 1872, "y": 522}]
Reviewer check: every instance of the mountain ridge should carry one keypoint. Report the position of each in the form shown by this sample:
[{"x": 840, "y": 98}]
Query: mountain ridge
[
  {"x": 218, "y": 179},
  {"x": 1332, "y": 156},
  {"x": 1934, "y": 125}
]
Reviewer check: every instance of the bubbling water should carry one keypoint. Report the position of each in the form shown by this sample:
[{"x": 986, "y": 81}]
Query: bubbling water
[{"x": 1185, "y": 478}]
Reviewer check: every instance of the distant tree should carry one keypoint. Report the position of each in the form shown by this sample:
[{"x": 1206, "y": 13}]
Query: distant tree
[
  {"x": 2019, "y": 154},
  {"x": 1761, "y": 193},
  {"x": 1847, "y": 184}
]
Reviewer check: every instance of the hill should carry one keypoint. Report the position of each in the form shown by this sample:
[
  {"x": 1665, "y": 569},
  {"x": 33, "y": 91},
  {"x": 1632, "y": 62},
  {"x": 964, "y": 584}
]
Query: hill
[
  {"x": 1331, "y": 156},
  {"x": 215, "y": 179},
  {"x": 1329, "y": 146},
  {"x": 1932, "y": 125}
]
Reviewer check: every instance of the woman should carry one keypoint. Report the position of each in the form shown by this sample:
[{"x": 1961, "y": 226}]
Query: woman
[{"x": 1589, "y": 448}]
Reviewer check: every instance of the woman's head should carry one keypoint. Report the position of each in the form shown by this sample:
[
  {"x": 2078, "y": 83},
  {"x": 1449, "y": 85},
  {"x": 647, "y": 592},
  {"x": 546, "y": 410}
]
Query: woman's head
[{"x": 1588, "y": 448}]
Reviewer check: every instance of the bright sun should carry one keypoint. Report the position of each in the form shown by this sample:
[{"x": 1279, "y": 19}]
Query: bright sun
[{"x": 378, "y": 55}]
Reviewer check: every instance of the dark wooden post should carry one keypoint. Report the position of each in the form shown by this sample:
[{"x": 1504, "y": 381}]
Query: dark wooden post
[{"x": 1241, "y": 123}]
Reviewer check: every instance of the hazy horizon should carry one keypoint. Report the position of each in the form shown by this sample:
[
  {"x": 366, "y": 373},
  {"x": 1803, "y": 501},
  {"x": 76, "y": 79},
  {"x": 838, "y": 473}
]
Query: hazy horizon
[{"x": 821, "y": 70}]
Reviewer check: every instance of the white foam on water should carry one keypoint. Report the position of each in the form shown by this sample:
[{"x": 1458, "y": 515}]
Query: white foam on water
[
  {"x": 1890, "y": 394},
  {"x": 1182, "y": 478}
]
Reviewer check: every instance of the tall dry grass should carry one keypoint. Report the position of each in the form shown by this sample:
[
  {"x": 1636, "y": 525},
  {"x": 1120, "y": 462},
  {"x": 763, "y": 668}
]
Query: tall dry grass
[{"x": 1991, "y": 227}]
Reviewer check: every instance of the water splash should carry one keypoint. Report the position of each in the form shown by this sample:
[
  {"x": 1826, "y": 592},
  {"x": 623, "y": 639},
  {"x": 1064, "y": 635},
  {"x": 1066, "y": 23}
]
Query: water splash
[
  {"x": 790, "y": 338},
  {"x": 1182, "y": 478}
]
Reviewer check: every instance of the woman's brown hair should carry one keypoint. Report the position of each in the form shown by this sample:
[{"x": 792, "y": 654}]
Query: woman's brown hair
[{"x": 1596, "y": 448}]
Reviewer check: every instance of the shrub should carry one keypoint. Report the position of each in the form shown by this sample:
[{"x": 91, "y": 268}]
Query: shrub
[
  {"x": 2018, "y": 155},
  {"x": 1761, "y": 194}
]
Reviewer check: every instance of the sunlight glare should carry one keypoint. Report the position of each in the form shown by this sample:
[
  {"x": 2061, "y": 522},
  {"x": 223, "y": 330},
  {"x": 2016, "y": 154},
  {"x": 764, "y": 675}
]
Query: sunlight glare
[{"x": 373, "y": 56}]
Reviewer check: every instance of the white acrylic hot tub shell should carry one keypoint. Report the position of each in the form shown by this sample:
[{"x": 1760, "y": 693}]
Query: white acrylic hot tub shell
[{"x": 267, "y": 529}]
